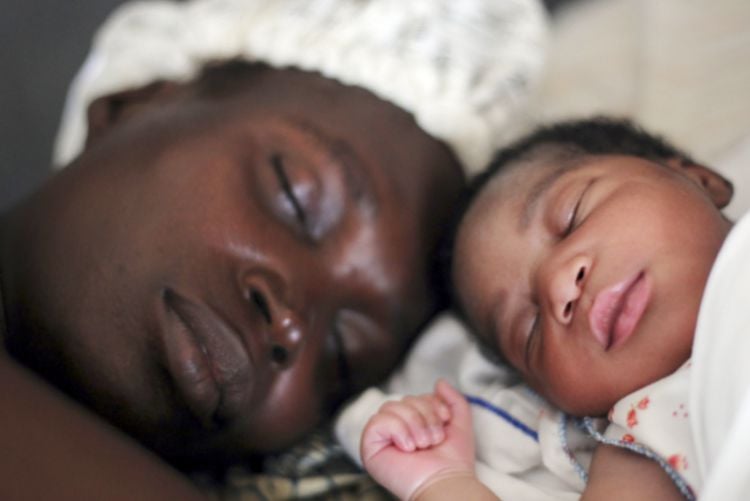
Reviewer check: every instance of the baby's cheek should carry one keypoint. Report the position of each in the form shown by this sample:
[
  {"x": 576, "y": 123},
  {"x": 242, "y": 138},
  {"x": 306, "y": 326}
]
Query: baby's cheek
[{"x": 574, "y": 390}]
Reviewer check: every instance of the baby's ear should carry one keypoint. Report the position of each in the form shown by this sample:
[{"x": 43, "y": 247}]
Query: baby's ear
[
  {"x": 112, "y": 109},
  {"x": 717, "y": 186}
]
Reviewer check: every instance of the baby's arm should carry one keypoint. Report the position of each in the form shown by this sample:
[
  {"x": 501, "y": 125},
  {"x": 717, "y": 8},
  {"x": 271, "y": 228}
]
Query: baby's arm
[
  {"x": 623, "y": 475},
  {"x": 423, "y": 447}
]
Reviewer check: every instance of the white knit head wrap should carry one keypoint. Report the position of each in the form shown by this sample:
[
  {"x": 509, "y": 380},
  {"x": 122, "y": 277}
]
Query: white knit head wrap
[{"x": 463, "y": 68}]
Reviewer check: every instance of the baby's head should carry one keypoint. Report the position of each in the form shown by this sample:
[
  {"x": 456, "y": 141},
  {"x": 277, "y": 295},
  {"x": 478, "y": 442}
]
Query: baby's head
[{"x": 582, "y": 256}]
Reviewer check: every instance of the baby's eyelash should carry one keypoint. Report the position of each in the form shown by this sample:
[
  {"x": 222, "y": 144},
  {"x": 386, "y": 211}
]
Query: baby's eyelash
[
  {"x": 533, "y": 332},
  {"x": 573, "y": 221},
  {"x": 573, "y": 217}
]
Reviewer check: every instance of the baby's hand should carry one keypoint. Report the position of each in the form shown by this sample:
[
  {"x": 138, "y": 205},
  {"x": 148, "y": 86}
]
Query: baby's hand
[{"x": 409, "y": 444}]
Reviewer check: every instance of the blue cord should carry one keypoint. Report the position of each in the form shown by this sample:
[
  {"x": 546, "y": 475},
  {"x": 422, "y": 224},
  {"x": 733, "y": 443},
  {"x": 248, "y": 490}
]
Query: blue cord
[{"x": 504, "y": 415}]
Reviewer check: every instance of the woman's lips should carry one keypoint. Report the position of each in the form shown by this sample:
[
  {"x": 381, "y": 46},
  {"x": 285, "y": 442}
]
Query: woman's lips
[
  {"x": 206, "y": 358},
  {"x": 618, "y": 309}
]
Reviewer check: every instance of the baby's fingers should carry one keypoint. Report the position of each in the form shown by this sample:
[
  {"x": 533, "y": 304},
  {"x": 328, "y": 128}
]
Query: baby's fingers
[
  {"x": 459, "y": 407},
  {"x": 384, "y": 429},
  {"x": 423, "y": 416},
  {"x": 452, "y": 397}
]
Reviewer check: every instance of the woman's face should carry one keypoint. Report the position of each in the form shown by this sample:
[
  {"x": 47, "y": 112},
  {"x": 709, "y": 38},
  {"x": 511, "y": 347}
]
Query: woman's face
[{"x": 215, "y": 275}]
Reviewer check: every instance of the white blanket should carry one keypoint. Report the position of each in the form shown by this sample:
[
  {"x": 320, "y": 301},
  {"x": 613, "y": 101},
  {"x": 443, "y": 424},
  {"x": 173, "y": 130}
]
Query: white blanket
[{"x": 720, "y": 384}]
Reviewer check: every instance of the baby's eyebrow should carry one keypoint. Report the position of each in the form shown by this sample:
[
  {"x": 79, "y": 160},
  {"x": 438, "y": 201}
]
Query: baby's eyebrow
[
  {"x": 543, "y": 185},
  {"x": 537, "y": 192}
]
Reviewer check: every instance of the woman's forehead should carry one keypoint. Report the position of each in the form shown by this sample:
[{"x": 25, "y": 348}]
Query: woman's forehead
[{"x": 350, "y": 115}]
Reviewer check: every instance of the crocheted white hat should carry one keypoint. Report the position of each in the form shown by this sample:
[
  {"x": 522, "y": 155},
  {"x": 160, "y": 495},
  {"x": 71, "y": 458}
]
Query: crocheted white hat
[{"x": 463, "y": 68}]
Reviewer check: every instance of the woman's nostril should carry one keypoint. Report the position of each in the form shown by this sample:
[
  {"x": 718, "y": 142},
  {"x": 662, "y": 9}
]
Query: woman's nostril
[
  {"x": 581, "y": 274},
  {"x": 279, "y": 354},
  {"x": 568, "y": 309},
  {"x": 260, "y": 301}
]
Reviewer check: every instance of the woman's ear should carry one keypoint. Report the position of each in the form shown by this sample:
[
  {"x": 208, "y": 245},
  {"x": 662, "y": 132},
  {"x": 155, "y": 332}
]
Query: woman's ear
[
  {"x": 719, "y": 188},
  {"x": 107, "y": 111}
]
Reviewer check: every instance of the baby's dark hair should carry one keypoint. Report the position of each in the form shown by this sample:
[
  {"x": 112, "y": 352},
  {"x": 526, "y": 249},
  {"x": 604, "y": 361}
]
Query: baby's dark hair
[
  {"x": 575, "y": 138},
  {"x": 591, "y": 136}
]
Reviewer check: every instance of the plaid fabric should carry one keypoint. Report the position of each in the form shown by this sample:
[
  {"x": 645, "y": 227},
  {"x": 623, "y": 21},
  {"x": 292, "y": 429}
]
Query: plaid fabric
[{"x": 316, "y": 469}]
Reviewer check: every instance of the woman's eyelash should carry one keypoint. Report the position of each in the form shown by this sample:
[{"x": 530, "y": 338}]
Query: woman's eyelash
[
  {"x": 278, "y": 167},
  {"x": 343, "y": 367}
]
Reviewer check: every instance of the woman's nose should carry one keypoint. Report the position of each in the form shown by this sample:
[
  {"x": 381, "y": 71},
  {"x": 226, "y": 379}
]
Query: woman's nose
[
  {"x": 284, "y": 330},
  {"x": 566, "y": 287}
]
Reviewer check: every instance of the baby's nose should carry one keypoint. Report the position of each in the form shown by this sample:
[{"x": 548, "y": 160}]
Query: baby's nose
[{"x": 568, "y": 287}]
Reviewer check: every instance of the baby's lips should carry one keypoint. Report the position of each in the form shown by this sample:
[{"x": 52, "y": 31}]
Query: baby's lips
[
  {"x": 606, "y": 309},
  {"x": 636, "y": 300}
]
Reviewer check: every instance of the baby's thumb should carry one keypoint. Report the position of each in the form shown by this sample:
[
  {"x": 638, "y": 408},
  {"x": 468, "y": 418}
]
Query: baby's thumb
[{"x": 460, "y": 410}]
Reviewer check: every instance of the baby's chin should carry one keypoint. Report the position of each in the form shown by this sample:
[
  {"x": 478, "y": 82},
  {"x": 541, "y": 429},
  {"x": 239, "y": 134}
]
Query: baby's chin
[
  {"x": 601, "y": 410},
  {"x": 581, "y": 405}
]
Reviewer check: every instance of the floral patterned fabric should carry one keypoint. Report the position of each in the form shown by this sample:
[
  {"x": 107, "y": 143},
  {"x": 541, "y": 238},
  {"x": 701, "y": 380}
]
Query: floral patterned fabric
[{"x": 656, "y": 417}]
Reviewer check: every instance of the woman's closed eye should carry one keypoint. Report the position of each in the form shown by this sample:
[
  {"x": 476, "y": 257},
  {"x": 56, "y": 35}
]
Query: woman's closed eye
[
  {"x": 338, "y": 382},
  {"x": 300, "y": 214},
  {"x": 342, "y": 362}
]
